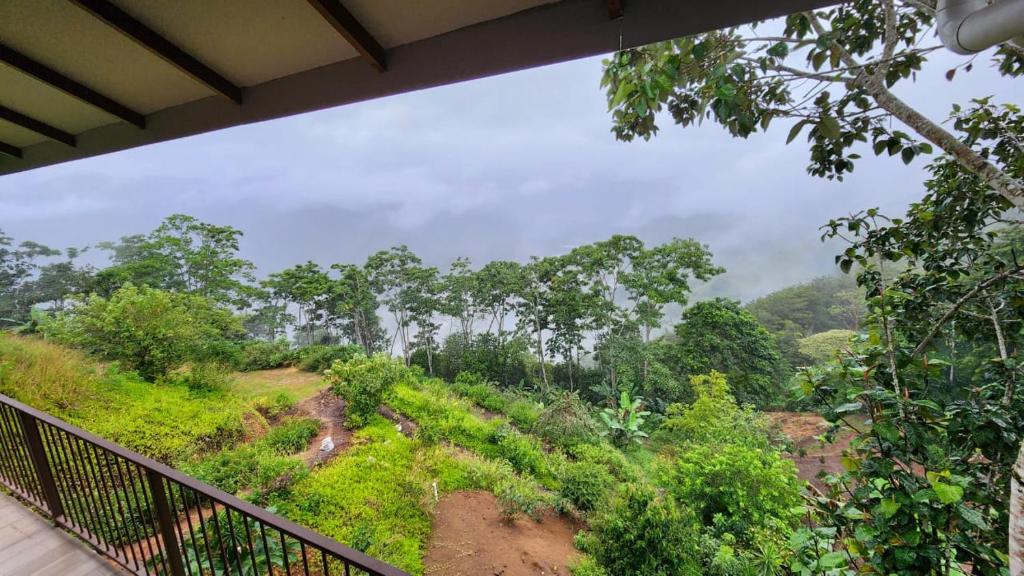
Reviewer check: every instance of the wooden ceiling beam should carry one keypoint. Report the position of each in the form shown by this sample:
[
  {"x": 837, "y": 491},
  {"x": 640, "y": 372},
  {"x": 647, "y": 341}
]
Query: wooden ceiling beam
[
  {"x": 37, "y": 126},
  {"x": 12, "y": 151},
  {"x": 354, "y": 33},
  {"x": 47, "y": 75},
  {"x": 160, "y": 46}
]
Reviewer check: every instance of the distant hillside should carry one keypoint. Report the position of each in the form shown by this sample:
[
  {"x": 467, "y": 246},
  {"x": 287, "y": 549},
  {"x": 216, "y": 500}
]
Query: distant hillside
[{"x": 822, "y": 304}]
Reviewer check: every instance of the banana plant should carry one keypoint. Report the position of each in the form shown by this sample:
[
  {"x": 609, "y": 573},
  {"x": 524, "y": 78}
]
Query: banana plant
[{"x": 623, "y": 423}]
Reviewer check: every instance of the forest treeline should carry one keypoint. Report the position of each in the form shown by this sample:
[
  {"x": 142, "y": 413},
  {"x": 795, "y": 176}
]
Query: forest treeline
[{"x": 591, "y": 320}]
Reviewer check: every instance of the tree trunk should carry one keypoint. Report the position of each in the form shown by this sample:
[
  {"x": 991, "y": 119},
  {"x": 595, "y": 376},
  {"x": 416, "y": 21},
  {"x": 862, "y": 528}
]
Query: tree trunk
[
  {"x": 1016, "y": 544},
  {"x": 937, "y": 135},
  {"x": 430, "y": 360},
  {"x": 647, "y": 342},
  {"x": 540, "y": 350}
]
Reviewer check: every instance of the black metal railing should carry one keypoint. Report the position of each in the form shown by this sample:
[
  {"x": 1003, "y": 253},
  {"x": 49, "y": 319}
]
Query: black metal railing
[{"x": 151, "y": 519}]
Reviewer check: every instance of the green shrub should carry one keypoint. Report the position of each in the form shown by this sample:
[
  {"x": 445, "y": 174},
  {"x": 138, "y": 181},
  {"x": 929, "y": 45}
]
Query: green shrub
[
  {"x": 473, "y": 386},
  {"x": 712, "y": 418},
  {"x": 566, "y": 422},
  {"x": 320, "y": 357},
  {"x": 167, "y": 422},
  {"x": 46, "y": 376},
  {"x": 585, "y": 484},
  {"x": 371, "y": 497},
  {"x": 292, "y": 436},
  {"x": 148, "y": 330},
  {"x": 519, "y": 497},
  {"x": 525, "y": 453},
  {"x": 586, "y": 566},
  {"x": 824, "y": 346},
  {"x": 272, "y": 407},
  {"x": 523, "y": 412},
  {"x": 267, "y": 474},
  {"x": 442, "y": 416},
  {"x": 262, "y": 355},
  {"x": 203, "y": 378},
  {"x": 624, "y": 423},
  {"x": 746, "y": 487},
  {"x": 645, "y": 534},
  {"x": 612, "y": 460},
  {"x": 364, "y": 382}
]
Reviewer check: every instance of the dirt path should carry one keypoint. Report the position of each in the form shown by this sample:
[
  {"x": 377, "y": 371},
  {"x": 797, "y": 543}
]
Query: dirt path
[
  {"x": 811, "y": 457},
  {"x": 405, "y": 425},
  {"x": 470, "y": 539},
  {"x": 330, "y": 409}
]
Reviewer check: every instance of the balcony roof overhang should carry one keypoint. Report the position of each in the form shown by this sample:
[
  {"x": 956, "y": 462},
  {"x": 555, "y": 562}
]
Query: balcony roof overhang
[{"x": 79, "y": 78}]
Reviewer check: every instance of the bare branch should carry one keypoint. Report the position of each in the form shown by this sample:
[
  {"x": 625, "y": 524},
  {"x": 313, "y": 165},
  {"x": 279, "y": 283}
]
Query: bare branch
[{"x": 889, "y": 43}]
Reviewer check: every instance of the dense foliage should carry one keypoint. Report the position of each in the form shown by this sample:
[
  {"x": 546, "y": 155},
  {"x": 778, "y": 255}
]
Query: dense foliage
[
  {"x": 720, "y": 335},
  {"x": 149, "y": 330},
  {"x": 937, "y": 375},
  {"x": 801, "y": 311},
  {"x": 364, "y": 382},
  {"x": 166, "y": 422}
]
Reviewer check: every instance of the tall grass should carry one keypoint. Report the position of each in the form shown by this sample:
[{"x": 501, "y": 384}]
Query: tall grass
[
  {"x": 167, "y": 421},
  {"x": 45, "y": 375}
]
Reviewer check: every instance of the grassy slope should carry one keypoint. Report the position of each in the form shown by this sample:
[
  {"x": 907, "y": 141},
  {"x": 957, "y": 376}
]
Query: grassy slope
[
  {"x": 377, "y": 496},
  {"x": 298, "y": 385},
  {"x": 165, "y": 422}
]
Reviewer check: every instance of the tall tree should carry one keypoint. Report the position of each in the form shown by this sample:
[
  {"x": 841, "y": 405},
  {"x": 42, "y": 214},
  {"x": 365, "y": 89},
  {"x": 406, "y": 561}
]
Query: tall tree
[
  {"x": 495, "y": 290},
  {"x": 940, "y": 451},
  {"x": 183, "y": 254},
  {"x": 720, "y": 335},
  {"x": 397, "y": 277},
  {"x": 352, "y": 300},
  {"x": 57, "y": 281},
  {"x": 306, "y": 286},
  {"x": 18, "y": 266},
  {"x": 459, "y": 295},
  {"x": 533, "y": 306},
  {"x": 829, "y": 71},
  {"x": 424, "y": 306}
]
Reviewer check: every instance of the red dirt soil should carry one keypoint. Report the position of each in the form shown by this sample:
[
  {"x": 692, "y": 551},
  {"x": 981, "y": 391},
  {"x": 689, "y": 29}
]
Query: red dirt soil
[
  {"x": 470, "y": 539},
  {"x": 330, "y": 409},
  {"x": 803, "y": 428}
]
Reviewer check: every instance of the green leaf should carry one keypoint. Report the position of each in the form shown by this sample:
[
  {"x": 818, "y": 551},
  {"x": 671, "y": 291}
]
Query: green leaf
[
  {"x": 907, "y": 155},
  {"x": 973, "y": 517},
  {"x": 830, "y": 128},
  {"x": 795, "y": 130},
  {"x": 888, "y": 508},
  {"x": 948, "y": 493},
  {"x": 832, "y": 560},
  {"x": 624, "y": 91}
]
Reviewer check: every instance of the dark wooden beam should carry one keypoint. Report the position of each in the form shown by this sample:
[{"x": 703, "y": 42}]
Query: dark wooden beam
[
  {"x": 157, "y": 44},
  {"x": 15, "y": 117},
  {"x": 61, "y": 82},
  {"x": 6, "y": 148},
  {"x": 615, "y": 9},
  {"x": 346, "y": 24}
]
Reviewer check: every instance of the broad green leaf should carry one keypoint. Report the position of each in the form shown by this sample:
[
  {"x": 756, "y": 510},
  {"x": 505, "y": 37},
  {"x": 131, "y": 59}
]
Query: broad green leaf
[
  {"x": 795, "y": 130},
  {"x": 889, "y": 507},
  {"x": 624, "y": 91},
  {"x": 948, "y": 493},
  {"x": 830, "y": 128},
  {"x": 832, "y": 560}
]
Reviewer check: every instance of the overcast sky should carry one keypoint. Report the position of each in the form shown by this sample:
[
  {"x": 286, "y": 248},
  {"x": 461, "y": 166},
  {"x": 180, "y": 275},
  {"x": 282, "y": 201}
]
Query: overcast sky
[{"x": 506, "y": 167}]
